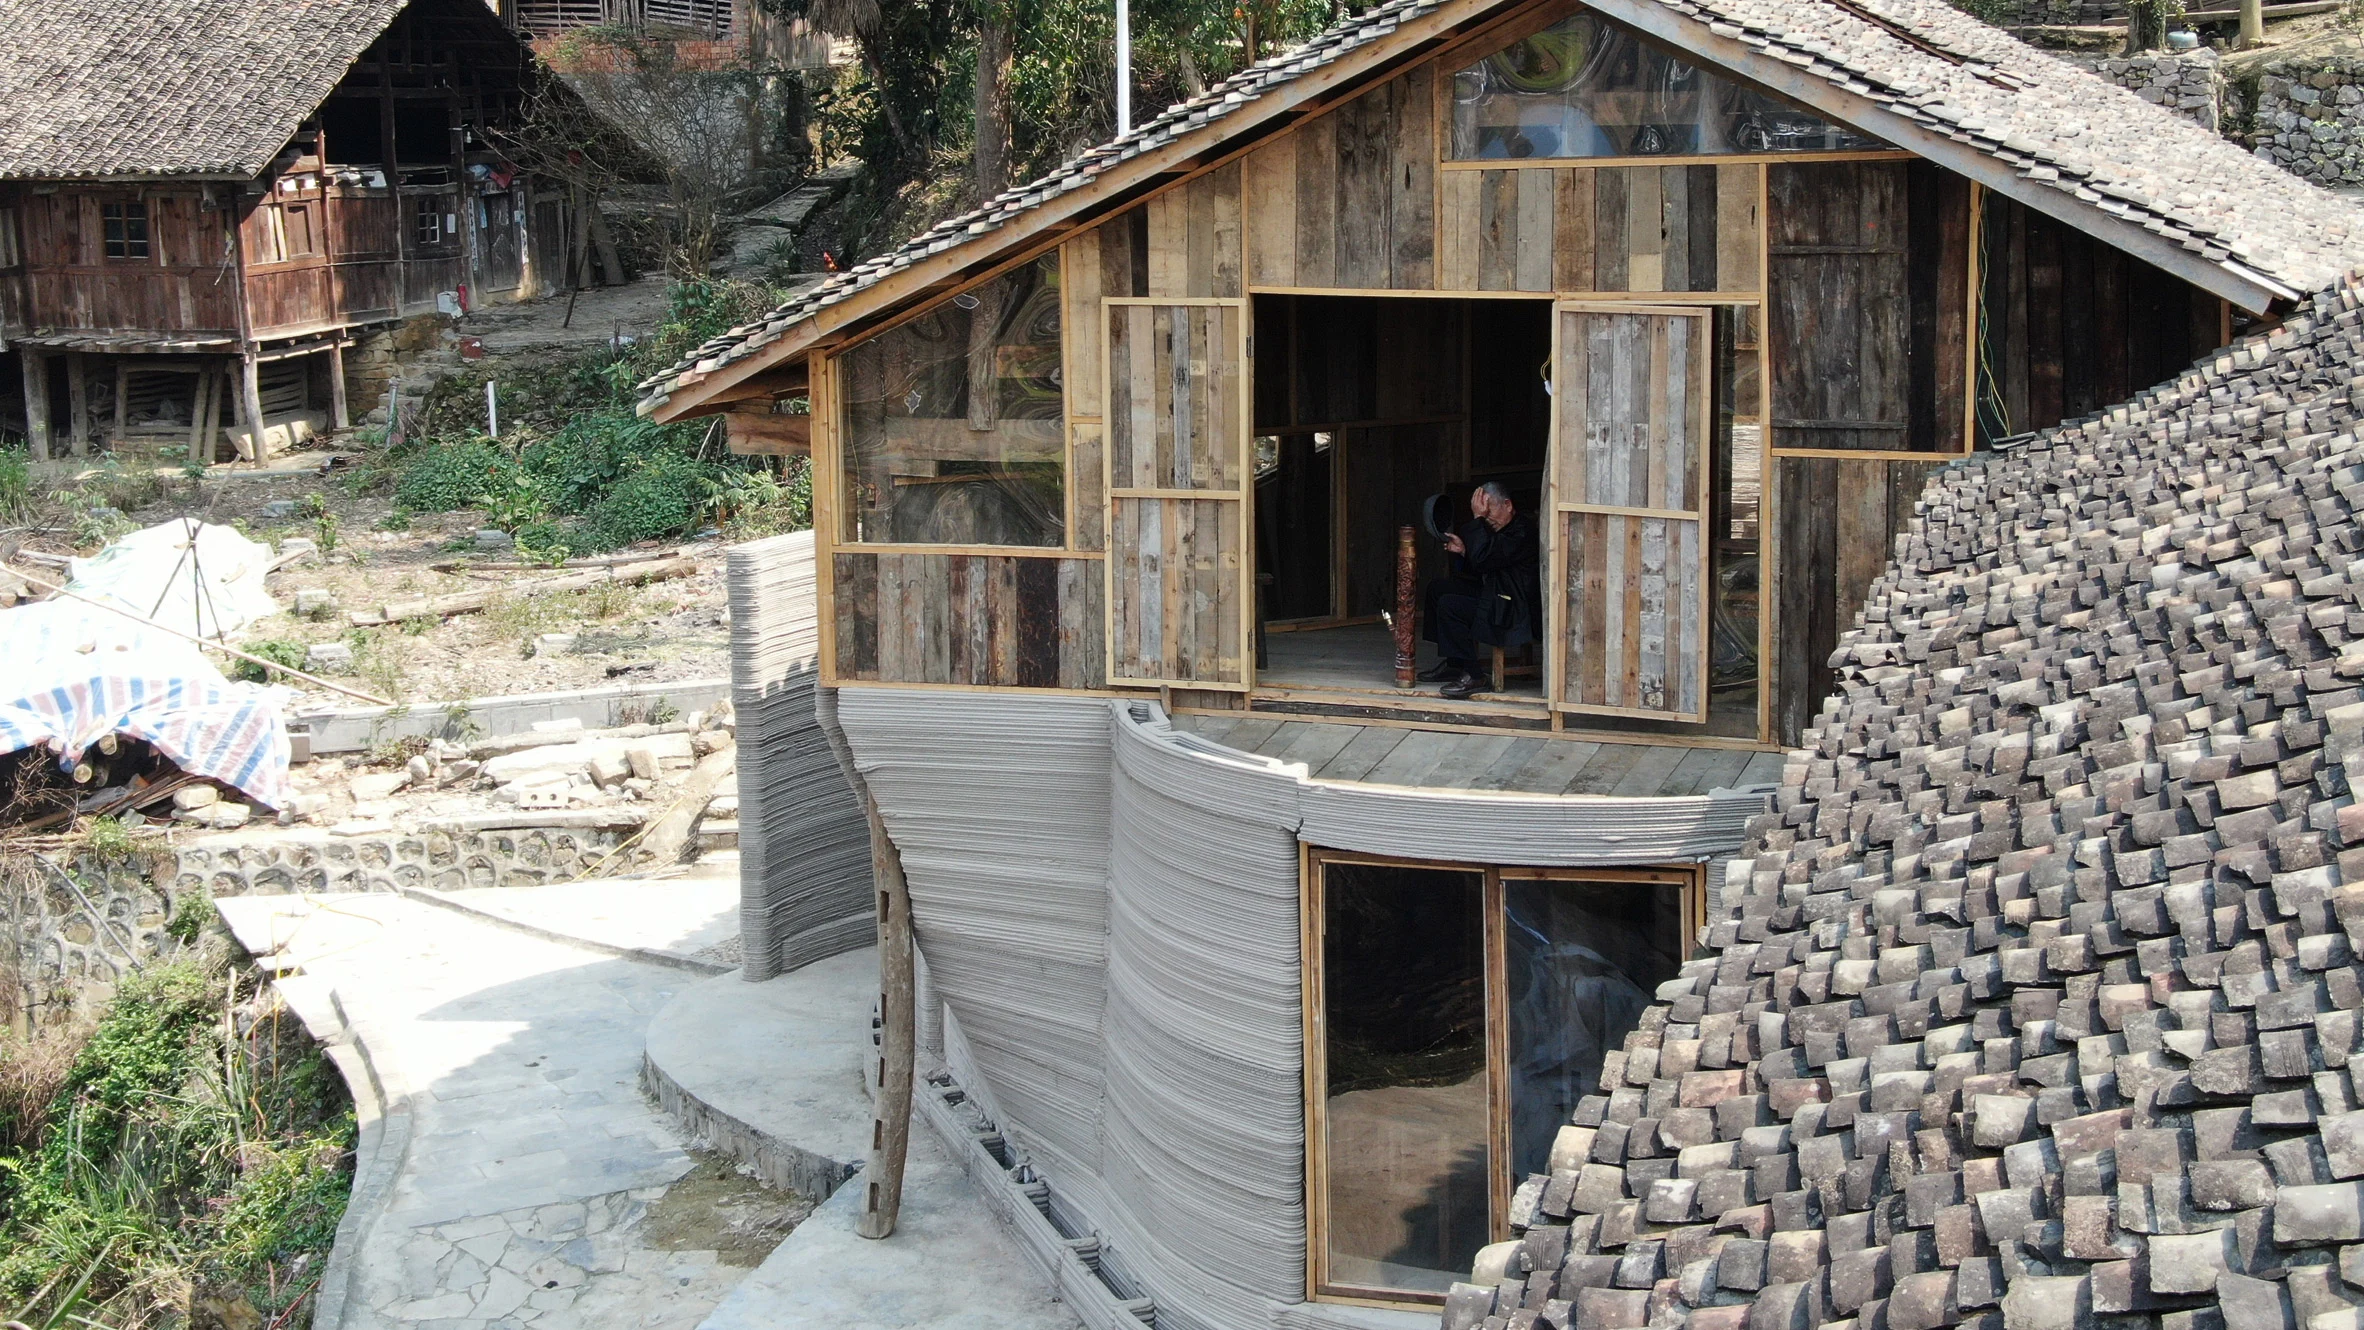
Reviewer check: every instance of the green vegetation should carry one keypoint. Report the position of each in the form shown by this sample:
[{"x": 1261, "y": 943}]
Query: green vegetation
[
  {"x": 16, "y": 484},
  {"x": 278, "y": 651},
  {"x": 192, "y": 1146},
  {"x": 577, "y": 469}
]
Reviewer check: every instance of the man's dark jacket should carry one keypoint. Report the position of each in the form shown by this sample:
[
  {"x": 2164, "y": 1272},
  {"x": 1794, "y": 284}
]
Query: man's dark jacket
[{"x": 1505, "y": 565}]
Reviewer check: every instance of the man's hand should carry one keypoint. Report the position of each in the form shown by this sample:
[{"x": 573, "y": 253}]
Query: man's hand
[{"x": 1453, "y": 545}]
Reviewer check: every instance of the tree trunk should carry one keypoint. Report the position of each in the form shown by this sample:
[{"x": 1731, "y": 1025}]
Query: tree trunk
[
  {"x": 886, "y": 101},
  {"x": 611, "y": 265},
  {"x": 993, "y": 108}
]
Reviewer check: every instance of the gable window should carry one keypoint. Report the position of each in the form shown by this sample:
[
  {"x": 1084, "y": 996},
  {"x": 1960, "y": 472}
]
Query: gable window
[
  {"x": 126, "y": 230},
  {"x": 1458, "y": 1014},
  {"x": 955, "y": 422},
  {"x": 1585, "y": 87}
]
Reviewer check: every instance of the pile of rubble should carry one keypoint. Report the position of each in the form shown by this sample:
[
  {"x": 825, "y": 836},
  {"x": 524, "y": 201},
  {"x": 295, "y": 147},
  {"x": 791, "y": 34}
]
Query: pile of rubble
[{"x": 2038, "y": 1006}]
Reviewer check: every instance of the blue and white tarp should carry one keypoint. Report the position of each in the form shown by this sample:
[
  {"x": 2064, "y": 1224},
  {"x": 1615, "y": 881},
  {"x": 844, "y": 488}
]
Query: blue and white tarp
[{"x": 76, "y": 673}]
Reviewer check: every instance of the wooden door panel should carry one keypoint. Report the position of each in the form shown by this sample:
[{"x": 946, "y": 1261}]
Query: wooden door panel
[
  {"x": 1628, "y": 596},
  {"x": 1177, "y": 440}
]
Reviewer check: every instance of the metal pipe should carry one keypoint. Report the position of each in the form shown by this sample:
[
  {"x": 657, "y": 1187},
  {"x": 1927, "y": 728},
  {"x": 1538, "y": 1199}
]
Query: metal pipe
[{"x": 1124, "y": 67}]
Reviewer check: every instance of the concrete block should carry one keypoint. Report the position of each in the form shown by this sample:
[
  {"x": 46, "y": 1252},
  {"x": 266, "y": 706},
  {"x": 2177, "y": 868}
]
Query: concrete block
[{"x": 329, "y": 658}]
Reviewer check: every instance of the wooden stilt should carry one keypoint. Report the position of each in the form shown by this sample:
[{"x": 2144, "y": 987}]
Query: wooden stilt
[
  {"x": 37, "y": 427},
  {"x": 78, "y": 403},
  {"x": 122, "y": 402},
  {"x": 340, "y": 415},
  {"x": 250, "y": 403},
  {"x": 201, "y": 416},
  {"x": 891, "y": 1070}
]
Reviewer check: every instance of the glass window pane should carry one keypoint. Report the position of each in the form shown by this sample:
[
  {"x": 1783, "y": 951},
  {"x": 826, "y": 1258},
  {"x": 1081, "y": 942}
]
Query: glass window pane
[
  {"x": 1585, "y": 87},
  {"x": 1581, "y": 960},
  {"x": 955, "y": 429},
  {"x": 1405, "y": 1094}
]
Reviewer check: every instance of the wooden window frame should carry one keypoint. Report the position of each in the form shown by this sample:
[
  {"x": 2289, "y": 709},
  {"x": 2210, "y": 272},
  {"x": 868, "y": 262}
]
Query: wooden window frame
[
  {"x": 116, "y": 238},
  {"x": 1690, "y": 879}
]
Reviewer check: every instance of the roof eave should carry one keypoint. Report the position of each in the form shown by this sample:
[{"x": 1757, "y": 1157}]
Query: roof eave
[{"x": 2244, "y": 286}]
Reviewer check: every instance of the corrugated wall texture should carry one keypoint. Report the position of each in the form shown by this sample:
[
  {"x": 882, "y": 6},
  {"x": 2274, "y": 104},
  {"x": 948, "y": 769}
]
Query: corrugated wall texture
[
  {"x": 804, "y": 847},
  {"x": 1206, "y": 1040},
  {"x": 999, "y": 804},
  {"x": 1108, "y": 909}
]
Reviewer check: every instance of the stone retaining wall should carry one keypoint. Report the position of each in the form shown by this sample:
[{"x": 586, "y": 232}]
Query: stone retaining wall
[
  {"x": 2309, "y": 120},
  {"x": 2189, "y": 83},
  {"x": 73, "y": 940}
]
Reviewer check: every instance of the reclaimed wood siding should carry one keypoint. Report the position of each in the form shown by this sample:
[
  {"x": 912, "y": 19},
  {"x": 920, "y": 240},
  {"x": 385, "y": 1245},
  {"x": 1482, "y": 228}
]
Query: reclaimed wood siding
[
  {"x": 1175, "y": 427},
  {"x": 1868, "y": 306},
  {"x": 981, "y": 619},
  {"x": 69, "y": 283},
  {"x": 1348, "y": 200},
  {"x": 1838, "y": 520},
  {"x": 1631, "y": 437},
  {"x": 1604, "y": 228}
]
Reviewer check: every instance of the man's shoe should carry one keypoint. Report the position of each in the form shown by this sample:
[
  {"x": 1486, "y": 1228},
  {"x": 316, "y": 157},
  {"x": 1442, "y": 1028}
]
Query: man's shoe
[
  {"x": 1444, "y": 671},
  {"x": 1460, "y": 688}
]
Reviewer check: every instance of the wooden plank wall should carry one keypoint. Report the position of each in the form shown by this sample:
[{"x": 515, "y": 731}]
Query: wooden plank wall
[
  {"x": 2074, "y": 325},
  {"x": 71, "y": 284},
  {"x": 1348, "y": 200},
  {"x": 1605, "y": 228},
  {"x": 1837, "y": 521},
  {"x": 1628, "y": 488},
  {"x": 1008, "y": 621}
]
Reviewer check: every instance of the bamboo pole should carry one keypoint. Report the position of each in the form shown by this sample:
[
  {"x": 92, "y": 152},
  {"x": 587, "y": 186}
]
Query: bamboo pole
[
  {"x": 313, "y": 679},
  {"x": 898, "y": 1007}
]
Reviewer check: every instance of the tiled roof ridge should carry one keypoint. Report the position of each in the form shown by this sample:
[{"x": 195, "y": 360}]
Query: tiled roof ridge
[
  {"x": 2031, "y": 1003},
  {"x": 1921, "y": 59}
]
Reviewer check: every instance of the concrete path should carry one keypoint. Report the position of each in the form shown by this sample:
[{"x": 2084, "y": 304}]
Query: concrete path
[
  {"x": 693, "y": 916},
  {"x": 536, "y": 1181}
]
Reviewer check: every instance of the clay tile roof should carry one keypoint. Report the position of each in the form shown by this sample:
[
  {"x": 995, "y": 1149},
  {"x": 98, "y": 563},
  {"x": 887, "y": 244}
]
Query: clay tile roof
[
  {"x": 2048, "y": 122},
  {"x": 2032, "y": 1001},
  {"x": 168, "y": 87}
]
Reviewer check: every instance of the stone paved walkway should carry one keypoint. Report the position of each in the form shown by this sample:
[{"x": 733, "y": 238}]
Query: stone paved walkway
[{"x": 534, "y": 1164}]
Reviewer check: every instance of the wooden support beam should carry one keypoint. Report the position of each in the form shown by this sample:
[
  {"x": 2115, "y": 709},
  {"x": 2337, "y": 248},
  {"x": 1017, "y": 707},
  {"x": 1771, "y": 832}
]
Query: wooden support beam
[
  {"x": 760, "y": 433},
  {"x": 250, "y": 405},
  {"x": 78, "y": 403},
  {"x": 204, "y": 411},
  {"x": 37, "y": 427},
  {"x": 122, "y": 400},
  {"x": 339, "y": 412}
]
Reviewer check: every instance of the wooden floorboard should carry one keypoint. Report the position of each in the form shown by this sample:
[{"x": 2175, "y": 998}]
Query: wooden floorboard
[
  {"x": 1419, "y": 751},
  {"x": 1607, "y": 767},
  {"x": 1764, "y": 769},
  {"x": 1521, "y": 754},
  {"x": 1318, "y": 744},
  {"x": 1705, "y": 769},
  {"x": 1649, "y": 772},
  {"x": 1365, "y": 751},
  {"x": 1550, "y": 773}
]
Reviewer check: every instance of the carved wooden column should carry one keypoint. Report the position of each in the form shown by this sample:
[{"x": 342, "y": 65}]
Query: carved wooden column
[{"x": 1407, "y": 631}]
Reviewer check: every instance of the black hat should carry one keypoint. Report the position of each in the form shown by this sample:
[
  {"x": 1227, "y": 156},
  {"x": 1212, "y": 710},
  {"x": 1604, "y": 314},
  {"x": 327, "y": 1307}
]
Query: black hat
[{"x": 1436, "y": 514}]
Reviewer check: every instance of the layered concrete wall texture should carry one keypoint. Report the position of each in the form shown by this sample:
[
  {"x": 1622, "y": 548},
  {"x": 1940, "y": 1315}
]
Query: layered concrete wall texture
[
  {"x": 1108, "y": 913},
  {"x": 804, "y": 845}
]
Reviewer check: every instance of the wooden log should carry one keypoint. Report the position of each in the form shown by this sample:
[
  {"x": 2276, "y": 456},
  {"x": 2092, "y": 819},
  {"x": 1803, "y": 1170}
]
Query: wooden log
[
  {"x": 1407, "y": 589},
  {"x": 77, "y": 403},
  {"x": 202, "y": 406},
  {"x": 340, "y": 414},
  {"x": 37, "y": 427},
  {"x": 468, "y": 602},
  {"x": 898, "y": 1005},
  {"x": 250, "y": 405},
  {"x": 665, "y": 838}
]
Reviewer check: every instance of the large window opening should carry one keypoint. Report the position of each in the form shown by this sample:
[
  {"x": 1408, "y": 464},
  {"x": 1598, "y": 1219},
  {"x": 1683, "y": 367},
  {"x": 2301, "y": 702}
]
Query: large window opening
[
  {"x": 1587, "y": 88},
  {"x": 1457, "y": 1013},
  {"x": 955, "y": 422}
]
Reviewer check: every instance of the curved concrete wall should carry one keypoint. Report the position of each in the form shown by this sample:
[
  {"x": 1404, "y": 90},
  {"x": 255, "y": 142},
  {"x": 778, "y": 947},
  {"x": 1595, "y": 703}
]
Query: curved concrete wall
[
  {"x": 804, "y": 846},
  {"x": 1108, "y": 910}
]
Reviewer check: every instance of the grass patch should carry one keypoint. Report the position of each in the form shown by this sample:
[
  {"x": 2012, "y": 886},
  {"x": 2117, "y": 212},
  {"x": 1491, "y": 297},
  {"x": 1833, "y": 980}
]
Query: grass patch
[
  {"x": 191, "y": 1146},
  {"x": 279, "y": 651}
]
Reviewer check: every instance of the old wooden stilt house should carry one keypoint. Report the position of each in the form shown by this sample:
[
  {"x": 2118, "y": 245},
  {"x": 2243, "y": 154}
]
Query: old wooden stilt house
[
  {"x": 1274, "y": 969},
  {"x": 202, "y": 203}
]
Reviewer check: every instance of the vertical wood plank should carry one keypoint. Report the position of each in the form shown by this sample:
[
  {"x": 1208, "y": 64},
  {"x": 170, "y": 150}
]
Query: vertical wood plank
[
  {"x": 1572, "y": 229},
  {"x": 1005, "y": 639},
  {"x": 1086, "y": 444},
  {"x": 1362, "y": 138},
  {"x": 1224, "y": 277},
  {"x": 1538, "y": 194},
  {"x": 1612, "y": 269},
  {"x": 1269, "y": 200},
  {"x": 1079, "y": 313},
  {"x": 1198, "y": 211},
  {"x": 1737, "y": 227},
  {"x": 1674, "y": 228},
  {"x": 1169, "y": 244},
  {"x": 1317, "y": 198},
  {"x": 1498, "y": 221},
  {"x": 1458, "y": 230},
  {"x": 1412, "y": 170},
  {"x": 1645, "y": 228}
]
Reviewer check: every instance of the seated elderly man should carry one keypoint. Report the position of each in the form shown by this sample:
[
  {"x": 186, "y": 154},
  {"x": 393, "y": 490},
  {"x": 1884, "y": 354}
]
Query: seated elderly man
[{"x": 1491, "y": 597}]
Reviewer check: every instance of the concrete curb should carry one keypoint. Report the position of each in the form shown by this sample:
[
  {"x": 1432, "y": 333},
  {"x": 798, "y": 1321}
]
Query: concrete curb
[
  {"x": 781, "y": 1164},
  {"x": 353, "y": 729},
  {"x": 382, "y": 1110},
  {"x": 645, "y": 955}
]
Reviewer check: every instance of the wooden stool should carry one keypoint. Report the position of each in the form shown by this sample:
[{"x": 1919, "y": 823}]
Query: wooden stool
[{"x": 1502, "y": 669}]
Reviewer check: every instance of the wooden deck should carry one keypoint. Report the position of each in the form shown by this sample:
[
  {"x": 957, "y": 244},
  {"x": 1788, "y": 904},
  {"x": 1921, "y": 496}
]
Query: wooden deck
[{"x": 1525, "y": 764}]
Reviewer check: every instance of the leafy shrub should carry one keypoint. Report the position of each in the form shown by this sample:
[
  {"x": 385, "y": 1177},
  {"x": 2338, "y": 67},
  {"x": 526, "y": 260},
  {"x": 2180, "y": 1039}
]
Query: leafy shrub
[
  {"x": 452, "y": 475},
  {"x": 16, "y": 484},
  {"x": 664, "y": 497},
  {"x": 278, "y": 651}
]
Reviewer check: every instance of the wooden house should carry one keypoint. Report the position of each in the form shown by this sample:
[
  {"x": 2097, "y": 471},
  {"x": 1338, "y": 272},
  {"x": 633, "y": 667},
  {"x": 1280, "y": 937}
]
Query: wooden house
[
  {"x": 1266, "y": 963},
  {"x": 200, "y": 209}
]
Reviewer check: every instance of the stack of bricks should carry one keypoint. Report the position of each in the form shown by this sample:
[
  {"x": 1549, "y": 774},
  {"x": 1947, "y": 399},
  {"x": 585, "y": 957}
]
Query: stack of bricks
[{"x": 2034, "y": 1009}]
